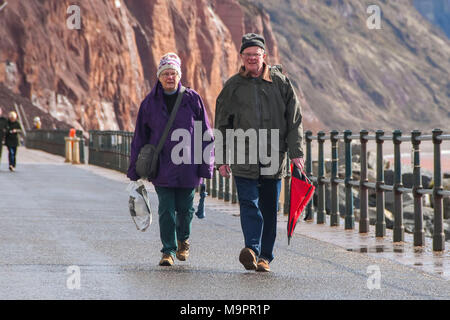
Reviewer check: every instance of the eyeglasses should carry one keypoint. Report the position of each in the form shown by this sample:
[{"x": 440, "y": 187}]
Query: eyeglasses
[
  {"x": 252, "y": 55},
  {"x": 168, "y": 74}
]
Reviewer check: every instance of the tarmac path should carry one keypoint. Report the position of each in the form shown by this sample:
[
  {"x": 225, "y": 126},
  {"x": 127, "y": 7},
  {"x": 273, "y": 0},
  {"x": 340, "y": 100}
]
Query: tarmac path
[{"x": 56, "y": 215}]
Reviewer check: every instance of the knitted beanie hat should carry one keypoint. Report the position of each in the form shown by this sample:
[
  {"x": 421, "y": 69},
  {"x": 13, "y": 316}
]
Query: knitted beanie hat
[
  {"x": 169, "y": 61},
  {"x": 252, "y": 40}
]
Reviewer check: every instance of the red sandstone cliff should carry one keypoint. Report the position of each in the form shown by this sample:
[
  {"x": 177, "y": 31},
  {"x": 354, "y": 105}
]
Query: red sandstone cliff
[{"x": 96, "y": 77}]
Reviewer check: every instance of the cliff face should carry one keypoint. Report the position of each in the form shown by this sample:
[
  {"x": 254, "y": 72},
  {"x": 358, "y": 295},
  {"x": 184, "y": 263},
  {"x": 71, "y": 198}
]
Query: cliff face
[
  {"x": 360, "y": 78},
  {"x": 346, "y": 75},
  {"x": 89, "y": 78},
  {"x": 96, "y": 77}
]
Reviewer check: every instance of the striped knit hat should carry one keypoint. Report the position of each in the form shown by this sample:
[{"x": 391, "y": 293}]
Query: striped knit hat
[{"x": 169, "y": 61}]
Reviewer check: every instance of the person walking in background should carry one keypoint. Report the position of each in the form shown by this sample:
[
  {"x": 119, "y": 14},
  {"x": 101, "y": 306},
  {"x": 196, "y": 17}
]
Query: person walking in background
[
  {"x": 175, "y": 183},
  {"x": 3, "y": 124},
  {"x": 37, "y": 123},
  {"x": 259, "y": 97},
  {"x": 12, "y": 139}
]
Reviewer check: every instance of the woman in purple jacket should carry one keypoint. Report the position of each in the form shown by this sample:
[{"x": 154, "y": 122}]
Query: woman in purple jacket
[{"x": 180, "y": 170}]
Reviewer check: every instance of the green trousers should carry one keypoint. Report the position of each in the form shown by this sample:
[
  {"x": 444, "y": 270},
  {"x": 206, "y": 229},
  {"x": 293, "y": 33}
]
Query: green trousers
[{"x": 175, "y": 212}]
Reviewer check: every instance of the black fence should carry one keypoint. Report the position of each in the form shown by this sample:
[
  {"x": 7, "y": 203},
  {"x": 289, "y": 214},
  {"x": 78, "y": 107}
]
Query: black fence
[
  {"x": 111, "y": 149},
  {"x": 52, "y": 141},
  {"x": 378, "y": 184}
]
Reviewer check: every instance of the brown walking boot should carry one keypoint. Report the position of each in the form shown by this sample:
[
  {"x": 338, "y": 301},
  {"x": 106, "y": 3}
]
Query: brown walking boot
[
  {"x": 183, "y": 250},
  {"x": 166, "y": 260},
  {"x": 263, "y": 265},
  {"x": 248, "y": 259}
]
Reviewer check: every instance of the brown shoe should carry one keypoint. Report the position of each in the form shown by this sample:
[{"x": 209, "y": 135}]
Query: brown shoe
[
  {"x": 248, "y": 259},
  {"x": 183, "y": 250},
  {"x": 166, "y": 260},
  {"x": 263, "y": 265}
]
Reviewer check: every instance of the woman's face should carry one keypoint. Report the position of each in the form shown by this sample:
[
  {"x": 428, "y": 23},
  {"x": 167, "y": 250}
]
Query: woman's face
[{"x": 169, "y": 79}]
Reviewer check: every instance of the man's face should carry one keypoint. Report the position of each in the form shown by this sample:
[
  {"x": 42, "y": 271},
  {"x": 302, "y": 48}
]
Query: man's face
[
  {"x": 169, "y": 79},
  {"x": 252, "y": 59}
]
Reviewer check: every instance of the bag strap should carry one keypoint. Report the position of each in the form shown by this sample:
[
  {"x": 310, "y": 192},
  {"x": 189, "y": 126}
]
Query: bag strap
[{"x": 171, "y": 119}]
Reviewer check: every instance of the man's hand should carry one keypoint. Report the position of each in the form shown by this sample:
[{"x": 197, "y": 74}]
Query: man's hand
[
  {"x": 225, "y": 170},
  {"x": 299, "y": 163}
]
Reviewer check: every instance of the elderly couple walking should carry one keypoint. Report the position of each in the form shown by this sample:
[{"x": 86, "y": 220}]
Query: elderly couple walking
[{"x": 257, "y": 97}]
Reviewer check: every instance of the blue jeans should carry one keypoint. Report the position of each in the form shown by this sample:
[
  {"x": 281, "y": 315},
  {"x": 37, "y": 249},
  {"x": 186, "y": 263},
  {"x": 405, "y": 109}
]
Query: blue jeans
[
  {"x": 258, "y": 201},
  {"x": 12, "y": 152}
]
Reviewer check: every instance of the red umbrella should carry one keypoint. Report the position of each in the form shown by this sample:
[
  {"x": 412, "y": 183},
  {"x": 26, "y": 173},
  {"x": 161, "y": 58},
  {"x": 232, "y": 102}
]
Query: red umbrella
[{"x": 302, "y": 191}]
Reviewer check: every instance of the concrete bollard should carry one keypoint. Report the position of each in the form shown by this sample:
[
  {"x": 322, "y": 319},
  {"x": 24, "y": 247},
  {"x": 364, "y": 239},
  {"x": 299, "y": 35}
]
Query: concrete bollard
[
  {"x": 68, "y": 149},
  {"x": 76, "y": 151}
]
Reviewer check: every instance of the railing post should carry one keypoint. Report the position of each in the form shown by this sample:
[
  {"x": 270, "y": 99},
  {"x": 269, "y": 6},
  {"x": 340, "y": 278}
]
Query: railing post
[
  {"x": 320, "y": 177},
  {"x": 438, "y": 232},
  {"x": 380, "y": 225},
  {"x": 214, "y": 184},
  {"x": 208, "y": 185},
  {"x": 334, "y": 217},
  {"x": 308, "y": 167},
  {"x": 287, "y": 189},
  {"x": 349, "y": 217},
  {"x": 68, "y": 149},
  {"x": 419, "y": 234},
  {"x": 82, "y": 142},
  {"x": 363, "y": 191},
  {"x": 399, "y": 230},
  {"x": 220, "y": 195},
  {"x": 234, "y": 198},
  {"x": 76, "y": 150},
  {"x": 226, "y": 195}
]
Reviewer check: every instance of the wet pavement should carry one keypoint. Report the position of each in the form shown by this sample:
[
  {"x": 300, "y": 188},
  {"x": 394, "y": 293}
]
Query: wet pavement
[
  {"x": 406, "y": 253},
  {"x": 57, "y": 217}
]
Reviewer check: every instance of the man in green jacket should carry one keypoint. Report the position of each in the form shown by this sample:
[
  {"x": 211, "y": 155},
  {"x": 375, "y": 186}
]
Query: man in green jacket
[{"x": 258, "y": 104}]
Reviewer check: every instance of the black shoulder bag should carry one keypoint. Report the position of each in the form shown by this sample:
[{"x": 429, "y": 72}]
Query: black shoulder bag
[{"x": 147, "y": 163}]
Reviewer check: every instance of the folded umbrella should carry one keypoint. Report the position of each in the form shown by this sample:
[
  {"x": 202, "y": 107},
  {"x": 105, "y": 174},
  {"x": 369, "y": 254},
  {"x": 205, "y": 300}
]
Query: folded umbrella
[{"x": 302, "y": 191}]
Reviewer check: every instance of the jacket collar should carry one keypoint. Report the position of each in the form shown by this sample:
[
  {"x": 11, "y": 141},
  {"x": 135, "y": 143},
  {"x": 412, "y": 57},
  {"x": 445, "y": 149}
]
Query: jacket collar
[
  {"x": 265, "y": 74},
  {"x": 157, "y": 91}
]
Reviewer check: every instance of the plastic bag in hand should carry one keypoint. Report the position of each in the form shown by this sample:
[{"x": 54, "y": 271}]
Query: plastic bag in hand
[{"x": 139, "y": 205}]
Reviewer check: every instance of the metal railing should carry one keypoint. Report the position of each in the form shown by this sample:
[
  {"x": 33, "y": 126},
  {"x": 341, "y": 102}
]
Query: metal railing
[
  {"x": 111, "y": 149},
  {"x": 52, "y": 141},
  {"x": 363, "y": 184}
]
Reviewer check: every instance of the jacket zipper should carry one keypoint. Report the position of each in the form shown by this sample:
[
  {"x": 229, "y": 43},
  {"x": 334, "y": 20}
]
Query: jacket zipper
[
  {"x": 259, "y": 111},
  {"x": 258, "y": 105}
]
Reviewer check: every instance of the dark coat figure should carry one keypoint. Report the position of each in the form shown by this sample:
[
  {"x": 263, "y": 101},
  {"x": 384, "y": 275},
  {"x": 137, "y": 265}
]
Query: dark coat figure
[
  {"x": 12, "y": 142},
  {"x": 12, "y": 134}
]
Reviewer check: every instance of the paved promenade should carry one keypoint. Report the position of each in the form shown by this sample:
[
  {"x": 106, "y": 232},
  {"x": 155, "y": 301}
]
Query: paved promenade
[{"x": 56, "y": 215}]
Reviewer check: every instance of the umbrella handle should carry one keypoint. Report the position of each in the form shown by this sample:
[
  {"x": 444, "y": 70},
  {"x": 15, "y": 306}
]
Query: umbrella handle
[{"x": 306, "y": 176}]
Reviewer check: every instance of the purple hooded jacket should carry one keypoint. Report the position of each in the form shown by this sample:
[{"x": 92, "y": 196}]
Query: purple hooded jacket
[{"x": 151, "y": 121}]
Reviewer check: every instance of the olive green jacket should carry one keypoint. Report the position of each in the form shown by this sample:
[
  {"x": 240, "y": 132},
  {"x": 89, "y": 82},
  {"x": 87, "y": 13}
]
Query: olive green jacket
[{"x": 268, "y": 102}]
